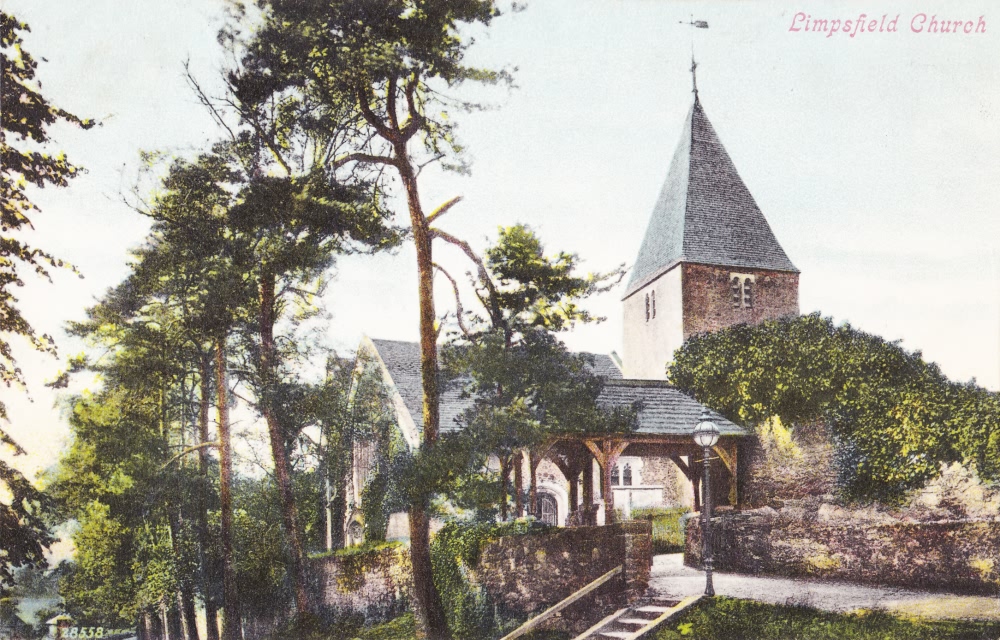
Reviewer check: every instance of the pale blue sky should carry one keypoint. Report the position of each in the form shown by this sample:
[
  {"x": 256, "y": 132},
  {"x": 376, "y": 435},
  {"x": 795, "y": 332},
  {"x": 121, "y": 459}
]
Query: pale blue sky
[{"x": 874, "y": 158}]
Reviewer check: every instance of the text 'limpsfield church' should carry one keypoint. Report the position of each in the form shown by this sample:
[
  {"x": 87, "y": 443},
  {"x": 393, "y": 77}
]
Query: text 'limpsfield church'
[{"x": 708, "y": 260}]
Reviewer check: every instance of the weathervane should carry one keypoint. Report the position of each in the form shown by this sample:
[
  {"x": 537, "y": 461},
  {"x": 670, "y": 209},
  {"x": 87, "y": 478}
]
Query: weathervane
[{"x": 696, "y": 24}]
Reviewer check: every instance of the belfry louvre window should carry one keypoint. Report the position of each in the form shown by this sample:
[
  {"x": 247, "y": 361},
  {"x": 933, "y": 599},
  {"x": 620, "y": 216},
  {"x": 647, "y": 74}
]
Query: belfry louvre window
[
  {"x": 741, "y": 288},
  {"x": 737, "y": 289}
]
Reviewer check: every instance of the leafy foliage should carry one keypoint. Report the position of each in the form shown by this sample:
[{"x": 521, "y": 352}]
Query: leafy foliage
[
  {"x": 895, "y": 417},
  {"x": 25, "y": 116},
  {"x": 525, "y": 383}
]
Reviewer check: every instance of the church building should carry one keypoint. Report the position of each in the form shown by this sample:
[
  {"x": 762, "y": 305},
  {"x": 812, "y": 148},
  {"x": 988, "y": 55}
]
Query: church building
[{"x": 708, "y": 260}]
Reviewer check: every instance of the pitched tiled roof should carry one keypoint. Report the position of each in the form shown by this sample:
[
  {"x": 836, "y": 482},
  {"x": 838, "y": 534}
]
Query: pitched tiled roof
[
  {"x": 665, "y": 410},
  {"x": 705, "y": 214},
  {"x": 402, "y": 361}
]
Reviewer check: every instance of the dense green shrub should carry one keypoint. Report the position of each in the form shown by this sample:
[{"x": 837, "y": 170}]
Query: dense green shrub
[
  {"x": 668, "y": 530},
  {"x": 894, "y": 417}
]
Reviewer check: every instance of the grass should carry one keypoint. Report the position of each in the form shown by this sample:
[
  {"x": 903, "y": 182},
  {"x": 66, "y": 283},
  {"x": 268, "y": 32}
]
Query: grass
[
  {"x": 732, "y": 619},
  {"x": 668, "y": 536}
]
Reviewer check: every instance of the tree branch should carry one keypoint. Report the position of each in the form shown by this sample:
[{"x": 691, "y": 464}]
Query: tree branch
[
  {"x": 183, "y": 453},
  {"x": 414, "y": 120},
  {"x": 390, "y": 101},
  {"x": 364, "y": 93},
  {"x": 459, "y": 312},
  {"x": 484, "y": 274},
  {"x": 363, "y": 157},
  {"x": 443, "y": 209}
]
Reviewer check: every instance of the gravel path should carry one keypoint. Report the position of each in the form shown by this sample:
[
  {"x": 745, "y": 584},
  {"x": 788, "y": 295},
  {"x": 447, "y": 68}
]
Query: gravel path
[{"x": 671, "y": 578}]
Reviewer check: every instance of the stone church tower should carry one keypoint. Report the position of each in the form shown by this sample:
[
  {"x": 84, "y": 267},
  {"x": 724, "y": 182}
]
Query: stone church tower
[{"x": 708, "y": 260}]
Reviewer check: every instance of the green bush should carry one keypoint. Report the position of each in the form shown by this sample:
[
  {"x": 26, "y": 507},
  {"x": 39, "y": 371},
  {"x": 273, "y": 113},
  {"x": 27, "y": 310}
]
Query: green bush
[
  {"x": 668, "y": 529},
  {"x": 894, "y": 417}
]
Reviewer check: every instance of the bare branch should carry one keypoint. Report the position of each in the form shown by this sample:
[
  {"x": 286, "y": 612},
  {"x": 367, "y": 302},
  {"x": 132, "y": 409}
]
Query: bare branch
[
  {"x": 206, "y": 101},
  {"x": 364, "y": 94},
  {"x": 484, "y": 274},
  {"x": 443, "y": 209},
  {"x": 183, "y": 453},
  {"x": 415, "y": 119},
  {"x": 459, "y": 312},
  {"x": 363, "y": 157},
  {"x": 390, "y": 98}
]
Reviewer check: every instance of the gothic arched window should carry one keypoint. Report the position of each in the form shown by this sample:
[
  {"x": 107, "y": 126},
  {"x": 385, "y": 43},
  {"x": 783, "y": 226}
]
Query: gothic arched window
[
  {"x": 627, "y": 475},
  {"x": 652, "y": 298},
  {"x": 616, "y": 479},
  {"x": 647, "y": 307}
]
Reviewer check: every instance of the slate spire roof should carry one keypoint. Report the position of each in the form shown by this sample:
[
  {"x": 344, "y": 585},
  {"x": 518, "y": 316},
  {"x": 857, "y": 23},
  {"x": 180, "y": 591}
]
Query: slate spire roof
[{"x": 705, "y": 213}]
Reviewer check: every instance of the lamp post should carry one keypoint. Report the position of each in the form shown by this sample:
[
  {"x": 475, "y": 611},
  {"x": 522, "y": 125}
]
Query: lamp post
[{"x": 706, "y": 434}]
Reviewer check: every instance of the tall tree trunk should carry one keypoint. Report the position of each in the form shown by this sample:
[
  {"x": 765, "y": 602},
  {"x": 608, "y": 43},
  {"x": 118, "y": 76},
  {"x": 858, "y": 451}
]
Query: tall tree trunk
[
  {"x": 206, "y": 568},
  {"x": 154, "y": 623},
  {"x": 184, "y": 597},
  {"x": 230, "y": 594},
  {"x": 518, "y": 484},
  {"x": 185, "y": 600},
  {"x": 174, "y": 628},
  {"x": 282, "y": 470},
  {"x": 532, "y": 486},
  {"x": 427, "y": 607}
]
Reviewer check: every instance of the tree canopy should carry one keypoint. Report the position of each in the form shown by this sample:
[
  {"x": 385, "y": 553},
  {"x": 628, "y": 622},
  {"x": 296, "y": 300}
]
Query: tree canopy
[
  {"x": 25, "y": 117},
  {"x": 895, "y": 418}
]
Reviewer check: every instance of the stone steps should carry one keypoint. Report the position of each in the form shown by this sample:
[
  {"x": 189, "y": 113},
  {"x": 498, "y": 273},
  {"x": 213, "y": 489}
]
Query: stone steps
[{"x": 634, "y": 622}]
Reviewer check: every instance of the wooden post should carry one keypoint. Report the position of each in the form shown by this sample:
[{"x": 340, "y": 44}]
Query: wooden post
[
  {"x": 504, "y": 475},
  {"x": 606, "y": 453},
  {"x": 574, "y": 490},
  {"x": 534, "y": 459}
]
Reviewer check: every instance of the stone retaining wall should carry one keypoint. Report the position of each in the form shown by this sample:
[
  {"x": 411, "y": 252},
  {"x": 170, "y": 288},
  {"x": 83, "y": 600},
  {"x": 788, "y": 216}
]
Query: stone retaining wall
[
  {"x": 523, "y": 575},
  {"x": 375, "y": 583},
  {"x": 961, "y": 556},
  {"x": 530, "y": 573}
]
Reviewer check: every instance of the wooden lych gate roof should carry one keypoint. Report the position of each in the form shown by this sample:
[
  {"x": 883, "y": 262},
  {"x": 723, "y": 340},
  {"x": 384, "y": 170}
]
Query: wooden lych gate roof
[{"x": 666, "y": 413}]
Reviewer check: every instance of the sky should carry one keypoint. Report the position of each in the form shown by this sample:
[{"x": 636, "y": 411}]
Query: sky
[{"x": 874, "y": 158}]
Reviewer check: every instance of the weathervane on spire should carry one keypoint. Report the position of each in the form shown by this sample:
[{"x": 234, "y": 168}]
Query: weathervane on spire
[{"x": 697, "y": 24}]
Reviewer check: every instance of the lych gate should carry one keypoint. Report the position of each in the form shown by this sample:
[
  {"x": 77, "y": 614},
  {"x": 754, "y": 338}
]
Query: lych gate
[{"x": 589, "y": 463}]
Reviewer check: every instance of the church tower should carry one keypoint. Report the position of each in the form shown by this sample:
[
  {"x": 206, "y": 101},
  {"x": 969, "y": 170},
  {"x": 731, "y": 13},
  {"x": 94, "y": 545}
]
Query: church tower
[{"x": 708, "y": 260}]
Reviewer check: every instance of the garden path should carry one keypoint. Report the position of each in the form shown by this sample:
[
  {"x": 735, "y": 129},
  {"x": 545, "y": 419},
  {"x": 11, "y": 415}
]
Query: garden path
[{"x": 670, "y": 578}]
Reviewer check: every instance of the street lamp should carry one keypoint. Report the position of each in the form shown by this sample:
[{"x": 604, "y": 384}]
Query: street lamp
[{"x": 706, "y": 434}]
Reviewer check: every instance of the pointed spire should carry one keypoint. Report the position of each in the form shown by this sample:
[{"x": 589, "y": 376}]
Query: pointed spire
[{"x": 705, "y": 214}]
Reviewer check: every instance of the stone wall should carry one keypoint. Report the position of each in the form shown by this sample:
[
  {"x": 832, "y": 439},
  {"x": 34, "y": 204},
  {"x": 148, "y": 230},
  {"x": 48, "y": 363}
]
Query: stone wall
[
  {"x": 961, "y": 556},
  {"x": 375, "y": 583},
  {"x": 708, "y": 304},
  {"x": 525, "y": 575}
]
